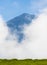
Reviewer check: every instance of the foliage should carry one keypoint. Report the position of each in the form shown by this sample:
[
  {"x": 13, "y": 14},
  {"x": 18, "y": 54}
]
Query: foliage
[{"x": 23, "y": 62}]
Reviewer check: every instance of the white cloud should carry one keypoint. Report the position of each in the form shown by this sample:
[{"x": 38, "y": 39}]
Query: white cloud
[
  {"x": 34, "y": 44},
  {"x": 36, "y": 34},
  {"x": 3, "y": 29}
]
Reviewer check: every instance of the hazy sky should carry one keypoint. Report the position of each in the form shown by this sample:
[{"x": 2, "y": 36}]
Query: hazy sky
[{"x": 12, "y": 8}]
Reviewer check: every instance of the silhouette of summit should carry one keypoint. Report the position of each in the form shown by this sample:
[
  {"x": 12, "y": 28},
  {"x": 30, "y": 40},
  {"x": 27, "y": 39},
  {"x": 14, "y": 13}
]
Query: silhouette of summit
[{"x": 16, "y": 25}]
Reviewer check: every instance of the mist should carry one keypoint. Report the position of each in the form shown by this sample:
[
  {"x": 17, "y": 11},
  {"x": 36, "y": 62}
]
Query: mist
[{"x": 34, "y": 44}]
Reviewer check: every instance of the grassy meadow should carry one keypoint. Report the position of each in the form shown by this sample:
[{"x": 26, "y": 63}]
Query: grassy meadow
[{"x": 22, "y": 62}]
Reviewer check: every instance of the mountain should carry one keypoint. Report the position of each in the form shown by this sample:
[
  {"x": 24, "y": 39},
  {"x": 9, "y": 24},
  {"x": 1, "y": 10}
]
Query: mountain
[{"x": 16, "y": 25}]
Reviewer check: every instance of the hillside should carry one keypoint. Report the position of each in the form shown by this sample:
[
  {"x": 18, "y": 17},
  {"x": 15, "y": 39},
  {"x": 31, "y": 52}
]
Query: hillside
[{"x": 23, "y": 62}]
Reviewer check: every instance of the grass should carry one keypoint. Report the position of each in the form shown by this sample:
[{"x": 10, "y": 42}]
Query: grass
[{"x": 22, "y": 62}]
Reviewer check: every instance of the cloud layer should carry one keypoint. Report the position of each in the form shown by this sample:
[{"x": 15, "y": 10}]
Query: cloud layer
[{"x": 33, "y": 46}]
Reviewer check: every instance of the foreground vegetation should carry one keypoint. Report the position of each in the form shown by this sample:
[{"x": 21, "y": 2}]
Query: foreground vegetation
[{"x": 23, "y": 62}]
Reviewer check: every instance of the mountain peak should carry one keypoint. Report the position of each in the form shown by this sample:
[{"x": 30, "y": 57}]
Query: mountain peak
[
  {"x": 25, "y": 14},
  {"x": 17, "y": 24}
]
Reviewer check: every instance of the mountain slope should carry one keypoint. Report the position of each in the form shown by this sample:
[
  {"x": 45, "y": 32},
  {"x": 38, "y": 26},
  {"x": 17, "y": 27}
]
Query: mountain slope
[{"x": 17, "y": 24}]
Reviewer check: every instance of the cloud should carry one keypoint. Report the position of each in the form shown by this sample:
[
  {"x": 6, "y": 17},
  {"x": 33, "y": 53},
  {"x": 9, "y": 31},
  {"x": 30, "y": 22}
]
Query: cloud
[
  {"x": 37, "y": 5},
  {"x": 33, "y": 46},
  {"x": 3, "y": 29},
  {"x": 36, "y": 35}
]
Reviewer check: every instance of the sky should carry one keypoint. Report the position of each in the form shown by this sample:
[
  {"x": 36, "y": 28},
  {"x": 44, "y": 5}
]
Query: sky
[{"x": 12, "y": 8}]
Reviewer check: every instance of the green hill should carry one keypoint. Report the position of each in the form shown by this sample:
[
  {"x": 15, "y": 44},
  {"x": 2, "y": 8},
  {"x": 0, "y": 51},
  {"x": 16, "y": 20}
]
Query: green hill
[{"x": 22, "y": 62}]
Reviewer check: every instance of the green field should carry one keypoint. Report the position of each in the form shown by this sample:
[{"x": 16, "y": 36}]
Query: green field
[{"x": 23, "y": 62}]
